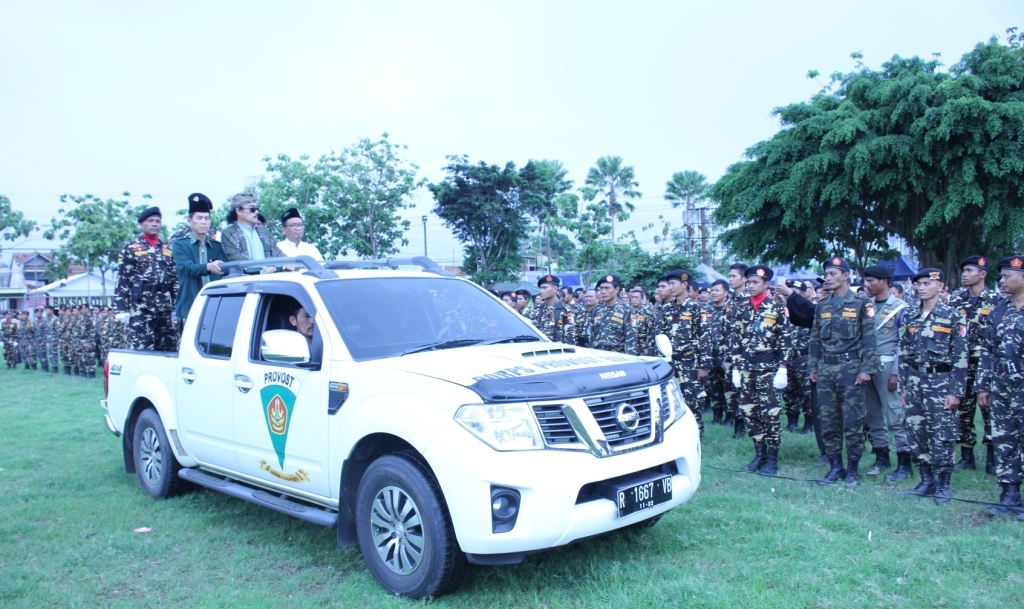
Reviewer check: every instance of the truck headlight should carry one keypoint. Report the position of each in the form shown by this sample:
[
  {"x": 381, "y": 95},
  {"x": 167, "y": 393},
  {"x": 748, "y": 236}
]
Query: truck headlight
[
  {"x": 502, "y": 426},
  {"x": 676, "y": 404}
]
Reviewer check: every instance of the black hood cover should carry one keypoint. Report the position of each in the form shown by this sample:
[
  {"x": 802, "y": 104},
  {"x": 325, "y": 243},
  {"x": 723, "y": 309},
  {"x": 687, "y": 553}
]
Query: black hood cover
[{"x": 573, "y": 383}]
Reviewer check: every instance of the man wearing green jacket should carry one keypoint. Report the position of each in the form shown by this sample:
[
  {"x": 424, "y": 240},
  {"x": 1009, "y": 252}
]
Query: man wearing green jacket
[{"x": 197, "y": 256}]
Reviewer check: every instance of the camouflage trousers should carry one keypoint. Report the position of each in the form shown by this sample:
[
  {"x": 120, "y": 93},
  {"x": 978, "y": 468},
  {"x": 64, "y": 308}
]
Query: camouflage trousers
[
  {"x": 797, "y": 394},
  {"x": 692, "y": 389},
  {"x": 28, "y": 352},
  {"x": 732, "y": 395},
  {"x": 759, "y": 403},
  {"x": 716, "y": 383},
  {"x": 884, "y": 411},
  {"x": 84, "y": 354},
  {"x": 841, "y": 410},
  {"x": 966, "y": 410},
  {"x": 65, "y": 352},
  {"x": 10, "y": 354},
  {"x": 931, "y": 429},
  {"x": 152, "y": 331},
  {"x": 1008, "y": 427},
  {"x": 52, "y": 354}
]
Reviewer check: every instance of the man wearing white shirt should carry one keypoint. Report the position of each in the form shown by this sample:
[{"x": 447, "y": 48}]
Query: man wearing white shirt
[{"x": 294, "y": 229}]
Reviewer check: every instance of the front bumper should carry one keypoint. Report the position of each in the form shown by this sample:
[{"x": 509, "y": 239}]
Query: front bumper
[{"x": 549, "y": 482}]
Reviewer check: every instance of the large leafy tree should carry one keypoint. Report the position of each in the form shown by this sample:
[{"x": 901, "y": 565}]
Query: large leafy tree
[
  {"x": 932, "y": 156},
  {"x": 617, "y": 184},
  {"x": 93, "y": 231},
  {"x": 489, "y": 209},
  {"x": 13, "y": 224}
]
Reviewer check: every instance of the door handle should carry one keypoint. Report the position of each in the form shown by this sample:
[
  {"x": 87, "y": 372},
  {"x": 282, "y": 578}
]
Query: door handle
[
  {"x": 188, "y": 375},
  {"x": 243, "y": 383}
]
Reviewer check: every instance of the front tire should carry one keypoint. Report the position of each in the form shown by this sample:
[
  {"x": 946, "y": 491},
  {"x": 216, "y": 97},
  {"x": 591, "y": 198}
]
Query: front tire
[
  {"x": 404, "y": 529},
  {"x": 155, "y": 463}
]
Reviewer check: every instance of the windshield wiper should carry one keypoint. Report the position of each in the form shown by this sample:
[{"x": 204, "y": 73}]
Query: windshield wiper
[
  {"x": 519, "y": 338},
  {"x": 445, "y": 344}
]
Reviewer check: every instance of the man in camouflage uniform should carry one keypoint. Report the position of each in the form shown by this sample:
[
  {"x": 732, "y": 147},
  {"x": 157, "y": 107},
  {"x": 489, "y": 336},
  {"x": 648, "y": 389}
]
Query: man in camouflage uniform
[
  {"x": 683, "y": 323},
  {"x": 644, "y": 321},
  {"x": 147, "y": 284},
  {"x": 39, "y": 341},
  {"x": 67, "y": 321},
  {"x": 719, "y": 388},
  {"x": 841, "y": 360},
  {"x": 9, "y": 333},
  {"x": 1000, "y": 384},
  {"x": 112, "y": 335},
  {"x": 553, "y": 317},
  {"x": 933, "y": 371},
  {"x": 583, "y": 328},
  {"x": 975, "y": 302},
  {"x": 609, "y": 320},
  {"x": 27, "y": 341},
  {"x": 738, "y": 294},
  {"x": 44, "y": 340},
  {"x": 797, "y": 392},
  {"x": 760, "y": 349},
  {"x": 85, "y": 344},
  {"x": 884, "y": 410}
]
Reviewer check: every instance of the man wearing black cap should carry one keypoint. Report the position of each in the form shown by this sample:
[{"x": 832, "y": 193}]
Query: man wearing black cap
[
  {"x": 552, "y": 316},
  {"x": 684, "y": 324},
  {"x": 933, "y": 372},
  {"x": 294, "y": 229},
  {"x": 147, "y": 284},
  {"x": 1001, "y": 384},
  {"x": 797, "y": 392},
  {"x": 975, "y": 302},
  {"x": 719, "y": 388},
  {"x": 610, "y": 329},
  {"x": 522, "y": 301},
  {"x": 644, "y": 320},
  {"x": 197, "y": 256},
  {"x": 884, "y": 411},
  {"x": 841, "y": 359}
]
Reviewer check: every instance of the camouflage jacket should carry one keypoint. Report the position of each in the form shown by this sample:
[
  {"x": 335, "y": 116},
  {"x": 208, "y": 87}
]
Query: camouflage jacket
[
  {"x": 9, "y": 331},
  {"x": 844, "y": 326},
  {"x": 975, "y": 310},
  {"x": 691, "y": 339},
  {"x": 147, "y": 278},
  {"x": 610, "y": 329},
  {"x": 557, "y": 322},
  {"x": 113, "y": 335},
  {"x": 718, "y": 335},
  {"x": 645, "y": 324},
  {"x": 1002, "y": 346},
  {"x": 936, "y": 339},
  {"x": 235, "y": 248},
  {"x": 83, "y": 330},
  {"x": 27, "y": 332},
  {"x": 761, "y": 338}
]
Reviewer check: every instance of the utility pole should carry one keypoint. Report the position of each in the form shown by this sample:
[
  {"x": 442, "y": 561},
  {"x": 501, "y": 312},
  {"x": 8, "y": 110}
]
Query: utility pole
[{"x": 424, "y": 236}]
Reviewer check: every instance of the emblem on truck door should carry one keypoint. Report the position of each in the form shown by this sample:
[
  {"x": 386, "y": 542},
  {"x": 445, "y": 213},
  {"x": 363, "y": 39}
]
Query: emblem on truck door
[{"x": 277, "y": 394}]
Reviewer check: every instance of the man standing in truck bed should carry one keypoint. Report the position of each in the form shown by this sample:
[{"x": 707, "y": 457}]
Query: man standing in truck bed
[{"x": 147, "y": 283}]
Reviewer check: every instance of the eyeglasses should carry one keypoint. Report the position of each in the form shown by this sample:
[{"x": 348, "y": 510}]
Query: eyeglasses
[
  {"x": 251, "y": 209},
  {"x": 295, "y": 225}
]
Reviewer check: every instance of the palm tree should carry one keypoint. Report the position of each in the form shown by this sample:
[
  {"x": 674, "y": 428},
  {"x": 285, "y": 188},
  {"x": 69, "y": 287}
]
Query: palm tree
[
  {"x": 686, "y": 188},
  {"x": 614, "y": 181}
]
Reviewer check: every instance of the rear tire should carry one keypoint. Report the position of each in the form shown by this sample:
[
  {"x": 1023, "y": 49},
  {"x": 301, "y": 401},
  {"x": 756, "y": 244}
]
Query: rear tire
[
  {"x": 155, "y": 463},
  {"x": 404, "y": 529}
]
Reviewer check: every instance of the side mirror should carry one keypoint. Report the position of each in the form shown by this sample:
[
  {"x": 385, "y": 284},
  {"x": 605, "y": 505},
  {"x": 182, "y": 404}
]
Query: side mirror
[
  {"x": 284, "y": 347},
  {"x": 664, "y": 346}
]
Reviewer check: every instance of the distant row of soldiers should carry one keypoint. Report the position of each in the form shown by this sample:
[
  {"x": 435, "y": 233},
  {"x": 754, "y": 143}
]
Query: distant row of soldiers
[{"x": 79, "y": 338}]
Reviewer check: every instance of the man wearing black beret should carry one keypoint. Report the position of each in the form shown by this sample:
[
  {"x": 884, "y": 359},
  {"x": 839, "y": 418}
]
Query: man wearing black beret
[
  {"x": 976, "y": 303},
  {"x": 551, "y": 315},
  {"x": 687, "y": 327},
  {"x": 147, "y": 285},
  {"x": 610, "y": 329}
]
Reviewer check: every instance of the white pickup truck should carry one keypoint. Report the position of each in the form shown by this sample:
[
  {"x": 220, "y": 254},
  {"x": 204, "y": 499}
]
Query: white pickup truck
[{"x": 417, "y": 415}]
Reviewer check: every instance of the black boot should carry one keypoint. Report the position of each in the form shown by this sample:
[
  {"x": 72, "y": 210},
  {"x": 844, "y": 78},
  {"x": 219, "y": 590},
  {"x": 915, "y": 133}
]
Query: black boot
[
  {"x": 882, "y": 461},
  {"x": 729, "y": 419},
  {"x": 990, "y": 459},
  {"x": 943, "y": 493},
  {"x": 35, "y": 366},
  {"x": 852, "y": 478},
  {"x": 793, "y": 421},
  {"x": 903, "y": 470},
  {"x": 966, "y": 459},
  {"x": 739, "y": 430},
  {"x": 821, "y": 461},
  {"x": 46, "y": 368},
  {"x": 67, "y": 370},
  {"x": 926, "y": 487},
  {"x": 718, "y": 416},
  {"x": 771, "y": 463},
  {"x": 836, "y": 473},
  {"x": 808, "y": 425},
  {"x": 759, "y": 458},
  {"x": 92, "y": 373},
  {"x": 1009, "y": 500}
]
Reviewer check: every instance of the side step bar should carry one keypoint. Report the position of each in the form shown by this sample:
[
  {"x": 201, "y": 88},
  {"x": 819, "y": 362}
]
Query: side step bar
[{"x": 320, "y": 516}]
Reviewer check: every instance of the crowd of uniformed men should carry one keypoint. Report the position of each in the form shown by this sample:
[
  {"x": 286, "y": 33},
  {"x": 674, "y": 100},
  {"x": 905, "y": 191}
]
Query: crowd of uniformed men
[{"x": 859, "y": 365}]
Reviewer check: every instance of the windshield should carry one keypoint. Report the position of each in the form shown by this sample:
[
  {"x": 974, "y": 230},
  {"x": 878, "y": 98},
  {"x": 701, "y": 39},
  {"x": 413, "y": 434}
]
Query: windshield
[{"x": 392, "y": 316}]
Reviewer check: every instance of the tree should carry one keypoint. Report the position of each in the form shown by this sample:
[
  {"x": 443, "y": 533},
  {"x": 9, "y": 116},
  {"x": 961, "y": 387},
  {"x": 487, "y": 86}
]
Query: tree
[
  {"x": 617, "y": 183},
  {"x": 488, "y": 208},
  {"x": 549, "y": 193},
  {"x": 93, "y": 231},
  {"x": 13, "y": 223},
  {"x": 933, "y": 157},
  {"x": 687, "y": 189}
]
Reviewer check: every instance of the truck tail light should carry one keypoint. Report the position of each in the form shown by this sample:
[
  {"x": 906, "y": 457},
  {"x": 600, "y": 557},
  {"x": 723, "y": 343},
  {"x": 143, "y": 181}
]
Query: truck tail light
[{"x": 106, "y": 378}]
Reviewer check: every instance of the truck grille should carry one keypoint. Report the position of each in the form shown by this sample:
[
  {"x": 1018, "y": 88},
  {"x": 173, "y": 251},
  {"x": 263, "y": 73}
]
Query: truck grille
[
  {"x": 554, "y": 425},
  {"x": 606, "y": 411}
]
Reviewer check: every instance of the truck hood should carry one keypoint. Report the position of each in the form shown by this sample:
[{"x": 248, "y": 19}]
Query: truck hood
[{"x": 532, "y": 371}]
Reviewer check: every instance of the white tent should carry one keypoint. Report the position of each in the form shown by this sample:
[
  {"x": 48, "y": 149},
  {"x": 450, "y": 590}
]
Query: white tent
[
  {"x": 710, "y": 274},
  {"x": 87, "y": 288}
]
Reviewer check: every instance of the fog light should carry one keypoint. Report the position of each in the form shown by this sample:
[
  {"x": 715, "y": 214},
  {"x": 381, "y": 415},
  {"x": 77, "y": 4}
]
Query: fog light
[{"x": 504, "y": 509}]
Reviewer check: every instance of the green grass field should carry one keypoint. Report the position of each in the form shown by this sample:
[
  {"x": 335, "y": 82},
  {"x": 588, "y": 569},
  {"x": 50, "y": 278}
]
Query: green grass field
[{"x": 68, "y": 510}]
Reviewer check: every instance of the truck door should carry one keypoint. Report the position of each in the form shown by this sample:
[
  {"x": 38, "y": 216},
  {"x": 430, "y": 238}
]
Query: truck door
[
  {"x": 280, "y": 409},
  {"x": 204, "y": 380}
]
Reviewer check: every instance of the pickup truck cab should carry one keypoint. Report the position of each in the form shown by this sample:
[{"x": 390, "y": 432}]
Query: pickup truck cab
[{"x": 416, "y": 414}]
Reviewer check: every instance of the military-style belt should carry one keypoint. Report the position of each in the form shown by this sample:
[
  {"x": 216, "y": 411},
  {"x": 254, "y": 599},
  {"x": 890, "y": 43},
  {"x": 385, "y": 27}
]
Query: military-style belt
[
  {"x": 1007, "y": 366},
  {"x": 838, "y": 358},
  {"x": 936, "y": 369},
  {"x": 760, "y": 358}
]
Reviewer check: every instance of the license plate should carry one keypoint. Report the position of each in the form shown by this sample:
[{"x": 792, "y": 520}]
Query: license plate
[{"x": 632, "y": 499}]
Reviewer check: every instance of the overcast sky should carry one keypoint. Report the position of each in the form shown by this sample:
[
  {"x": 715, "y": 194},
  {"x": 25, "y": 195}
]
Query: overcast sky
[{"x": 174, "y": 97}]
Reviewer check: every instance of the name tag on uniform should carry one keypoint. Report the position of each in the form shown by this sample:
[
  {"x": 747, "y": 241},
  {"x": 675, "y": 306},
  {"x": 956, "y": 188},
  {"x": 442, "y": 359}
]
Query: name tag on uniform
[
  {"x": 985, "y": 310},
  {"x": 617, "y": 319},
  {"x": 769, "y": 321},
  {"x": 686, "y": 318},
  {"x": 167, "y": 251},
  {"x": 943, "y": 329},
  {"x": 140, "y": 252},
  {"x": 826, "y": 316},
  {"x": 848, "y": 314}
]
